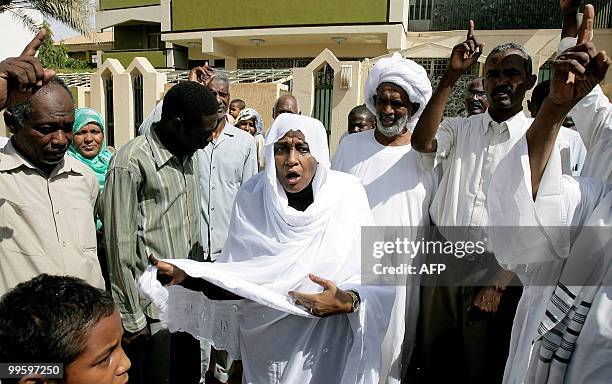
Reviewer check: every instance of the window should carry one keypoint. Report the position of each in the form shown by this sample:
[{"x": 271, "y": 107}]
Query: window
[{"x": 420, "y": 9}]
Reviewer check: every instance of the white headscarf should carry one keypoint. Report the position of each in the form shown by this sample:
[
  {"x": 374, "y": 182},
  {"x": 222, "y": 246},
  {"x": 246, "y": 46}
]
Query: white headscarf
[
  {"x": 404, "y": 73},
  {"x": 270, "y": 250},
  {"x": 249, "y": 113}
]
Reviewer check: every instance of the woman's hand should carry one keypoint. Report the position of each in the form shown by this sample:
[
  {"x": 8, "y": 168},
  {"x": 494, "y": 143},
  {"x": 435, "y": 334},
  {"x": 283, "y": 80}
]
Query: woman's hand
[
  {"x": 332, "y": 301},
  {"x": 174, "y": 274}
]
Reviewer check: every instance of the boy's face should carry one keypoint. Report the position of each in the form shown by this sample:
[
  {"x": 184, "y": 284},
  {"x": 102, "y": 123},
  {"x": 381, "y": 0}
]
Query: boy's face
[
  {"x": 103, "y": 360},
  {"x": 234, "y": 110}
]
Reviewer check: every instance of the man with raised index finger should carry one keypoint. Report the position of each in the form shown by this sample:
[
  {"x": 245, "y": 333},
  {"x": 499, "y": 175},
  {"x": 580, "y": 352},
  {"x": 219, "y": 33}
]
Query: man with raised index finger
[{"x": 469, "y": 314}]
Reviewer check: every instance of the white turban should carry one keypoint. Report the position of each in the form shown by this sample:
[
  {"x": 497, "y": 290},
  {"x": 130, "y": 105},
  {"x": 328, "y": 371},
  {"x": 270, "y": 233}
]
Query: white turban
[{"x": 404, "y": 73}]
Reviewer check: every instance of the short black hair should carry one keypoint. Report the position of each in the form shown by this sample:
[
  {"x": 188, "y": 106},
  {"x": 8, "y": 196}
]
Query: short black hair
[
  {"x": 48, "y": 319},
  {"x": 189, "y": 101},
  {"x": 23, "y": 111},
  {"x": 362, "y": 110},
  {"x": 240, "y": 102},
  {"x": 540, "y": 92},
  {"x": 528, "y": 63}
]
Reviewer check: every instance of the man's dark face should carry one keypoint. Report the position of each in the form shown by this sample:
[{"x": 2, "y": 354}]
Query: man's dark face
[
  {"x": 358, "y": 122},
  {"x": 285, "y": 104},
  {"x": 295, "y": 166},
  {"x": 392, "y": 104},
  {"x": 44, "y": 138},
  {"x": 475, "y": 98},
  {"x": 506, "y": 80},
  {"x": 196, "y": 136},
  {"x": 221, "y": 91}
]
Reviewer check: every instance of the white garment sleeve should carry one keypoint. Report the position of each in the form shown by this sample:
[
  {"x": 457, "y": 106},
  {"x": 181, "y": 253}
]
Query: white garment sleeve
[
  {"x": 445, "y": 137},
  {"x": 593, "y": 119}
]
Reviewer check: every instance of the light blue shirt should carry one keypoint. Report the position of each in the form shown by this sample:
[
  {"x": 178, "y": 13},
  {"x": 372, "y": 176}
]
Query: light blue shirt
[{"x": 224, "y": 165}]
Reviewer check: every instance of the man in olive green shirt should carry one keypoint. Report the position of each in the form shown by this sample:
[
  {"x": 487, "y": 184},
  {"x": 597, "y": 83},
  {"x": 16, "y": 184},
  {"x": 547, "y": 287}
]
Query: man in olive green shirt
[{"x": 151, "y": 206}]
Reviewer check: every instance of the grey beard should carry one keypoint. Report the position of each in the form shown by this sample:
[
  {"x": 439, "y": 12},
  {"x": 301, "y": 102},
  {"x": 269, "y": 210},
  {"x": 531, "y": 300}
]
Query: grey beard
[{"x": 393, "y": 130}]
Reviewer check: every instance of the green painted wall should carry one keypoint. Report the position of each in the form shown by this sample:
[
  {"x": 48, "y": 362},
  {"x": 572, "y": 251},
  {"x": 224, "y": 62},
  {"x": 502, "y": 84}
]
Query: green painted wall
[
  {"x": 157, "y": 58},
  {"x": 211, "y": 14},
  {"x": 114, "y": 4}
]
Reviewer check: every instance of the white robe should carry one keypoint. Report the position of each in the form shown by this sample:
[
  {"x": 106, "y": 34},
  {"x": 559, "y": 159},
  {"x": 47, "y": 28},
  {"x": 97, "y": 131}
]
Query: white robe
[
  {"x": 399, "y": 193},
  {"x": 271, "y": 250},
  {"x": 552, "y": 225}
]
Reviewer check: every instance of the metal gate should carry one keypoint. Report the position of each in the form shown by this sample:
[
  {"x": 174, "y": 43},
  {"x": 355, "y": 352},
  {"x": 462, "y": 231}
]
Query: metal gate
[
  {"x": 110, "y": 116},
  {"x": 138, "y": 107},
  {"x": 324, "y": 91}
]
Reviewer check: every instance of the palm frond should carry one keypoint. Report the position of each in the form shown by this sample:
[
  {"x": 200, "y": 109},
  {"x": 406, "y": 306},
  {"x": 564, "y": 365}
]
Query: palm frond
[
  {"x": 74, "y": 13},
  {"x": 31, "y": 24}
]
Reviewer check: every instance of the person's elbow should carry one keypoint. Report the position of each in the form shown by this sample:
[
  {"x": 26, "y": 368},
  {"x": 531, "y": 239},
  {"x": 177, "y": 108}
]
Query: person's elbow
[{"x": 422, "y": 144}]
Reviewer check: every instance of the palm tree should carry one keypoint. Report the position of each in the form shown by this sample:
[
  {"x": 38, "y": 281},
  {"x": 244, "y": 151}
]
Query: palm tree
[{"x": 74, "y": 13}]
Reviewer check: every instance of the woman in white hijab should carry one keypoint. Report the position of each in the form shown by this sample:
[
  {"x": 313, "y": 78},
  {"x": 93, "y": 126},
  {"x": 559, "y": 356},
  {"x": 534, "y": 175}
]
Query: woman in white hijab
[{"x": 292, "y": 263}]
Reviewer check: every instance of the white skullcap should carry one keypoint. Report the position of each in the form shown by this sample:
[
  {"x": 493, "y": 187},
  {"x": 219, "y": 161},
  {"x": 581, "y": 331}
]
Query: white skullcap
[{"x": 404, "y": 73}]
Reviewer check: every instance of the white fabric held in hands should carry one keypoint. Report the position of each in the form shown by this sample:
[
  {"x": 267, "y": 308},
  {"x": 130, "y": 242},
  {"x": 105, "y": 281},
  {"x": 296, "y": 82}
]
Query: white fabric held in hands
[{"x": 271, "y": 249}]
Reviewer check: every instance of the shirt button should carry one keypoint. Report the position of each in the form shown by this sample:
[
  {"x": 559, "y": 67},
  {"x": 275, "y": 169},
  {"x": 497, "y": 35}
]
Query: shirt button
[
  {"x": 214, "y": 167},
  {"x": 212, "y": 209},
  {"x": 478, "y": 204},
  {"x": 64, "y": 244},
  {"x": 212, "y": 229},
  {"x": 325, "y": 350},
  {"x": 213, "y": 188},
  {"x": 490, "y": 158},
  {"x": 57, "y": 211},
  {"x": 234, "y": 308}
]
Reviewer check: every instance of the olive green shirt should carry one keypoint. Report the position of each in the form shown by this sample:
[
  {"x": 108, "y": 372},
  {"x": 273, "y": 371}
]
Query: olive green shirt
[{"x": 151, "y": 206}]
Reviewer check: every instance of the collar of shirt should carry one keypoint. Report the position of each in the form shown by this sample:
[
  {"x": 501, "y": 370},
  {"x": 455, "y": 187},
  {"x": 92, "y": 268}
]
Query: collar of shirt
[
  {"x": 160, "y": 153},
  {"x": 228, "y": 131},
  {"x": 513, "y": 125},
  {"x": 11, "y": 159}
]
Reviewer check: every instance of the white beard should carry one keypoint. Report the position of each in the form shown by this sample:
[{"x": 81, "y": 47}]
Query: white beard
[{"x": 393, "y": 130}]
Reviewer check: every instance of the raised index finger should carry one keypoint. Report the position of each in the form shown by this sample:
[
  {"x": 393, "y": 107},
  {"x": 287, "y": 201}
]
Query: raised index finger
[
  {"x": 32, "y": 47},
  {"x": 471, "y": 30},
  {"x": 585, "y": 32}
]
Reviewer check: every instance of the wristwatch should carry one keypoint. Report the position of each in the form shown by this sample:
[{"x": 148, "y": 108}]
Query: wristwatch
[{"x": 356, "y": 300}]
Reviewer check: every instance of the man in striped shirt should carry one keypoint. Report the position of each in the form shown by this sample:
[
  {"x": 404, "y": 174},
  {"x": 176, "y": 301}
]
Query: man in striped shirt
[{"x": 152, "y": 207}]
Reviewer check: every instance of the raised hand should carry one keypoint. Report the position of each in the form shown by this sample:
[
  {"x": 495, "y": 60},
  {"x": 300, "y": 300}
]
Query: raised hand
[
  {"x": 332, "y": 301},
  {"x": 21, "y": 76},
  {"x": 579, "y": 69},
  {"x": 203, "y": 75},
  {"x": 466, "y": 54}
]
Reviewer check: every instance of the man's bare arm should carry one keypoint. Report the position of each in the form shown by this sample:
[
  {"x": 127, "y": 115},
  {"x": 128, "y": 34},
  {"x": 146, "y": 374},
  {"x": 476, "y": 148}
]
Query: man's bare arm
[
  {"x": 464, "y": 55},
  {"x": 569, "y": 8}
]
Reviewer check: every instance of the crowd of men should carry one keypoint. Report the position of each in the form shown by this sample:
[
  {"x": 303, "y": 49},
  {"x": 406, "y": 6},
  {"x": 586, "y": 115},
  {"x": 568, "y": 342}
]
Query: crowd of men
[{"x": 267, "y": 227}]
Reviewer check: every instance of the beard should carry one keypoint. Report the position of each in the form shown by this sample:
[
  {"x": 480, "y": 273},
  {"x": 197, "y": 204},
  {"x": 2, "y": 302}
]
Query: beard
[{"x": 393, "y": 130}]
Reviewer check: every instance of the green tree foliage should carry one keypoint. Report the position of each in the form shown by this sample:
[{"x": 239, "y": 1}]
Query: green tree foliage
[
  {"x": 74, "y": 13},
  {"x": 56, "y": 56}
]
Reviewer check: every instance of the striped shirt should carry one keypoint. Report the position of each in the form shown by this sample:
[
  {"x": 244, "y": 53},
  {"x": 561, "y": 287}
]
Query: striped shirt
[{"x": 150, "y": 207}]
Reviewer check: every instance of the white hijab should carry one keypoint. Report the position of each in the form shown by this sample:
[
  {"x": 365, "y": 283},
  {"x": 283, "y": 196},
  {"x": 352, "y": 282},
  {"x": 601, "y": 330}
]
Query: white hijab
[{"x": 270, "y": 250}]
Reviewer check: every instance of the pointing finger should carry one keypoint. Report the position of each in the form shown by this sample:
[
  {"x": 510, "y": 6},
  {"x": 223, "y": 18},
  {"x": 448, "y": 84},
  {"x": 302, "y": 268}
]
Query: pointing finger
[
  {"x": 32, "y": 47},
  {"x": 471, "y": 30},
  {"x": 585, "y": 33}
]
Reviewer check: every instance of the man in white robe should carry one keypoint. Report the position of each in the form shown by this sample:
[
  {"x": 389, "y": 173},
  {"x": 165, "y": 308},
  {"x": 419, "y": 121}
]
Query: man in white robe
[
  {"x": 399, "y": 191},
  {"x": 561, "y": 250},
  {"x": 295, "y": 227}
]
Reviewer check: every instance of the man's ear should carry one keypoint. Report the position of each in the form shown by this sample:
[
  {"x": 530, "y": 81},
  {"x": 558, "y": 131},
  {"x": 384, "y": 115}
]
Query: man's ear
[
  {"x": 533, "y": 79},
  {"x": 11, "y": 122},
  {"x": 415, "y": 107}
]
